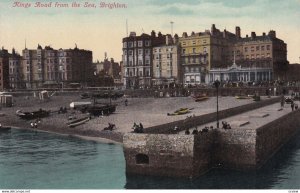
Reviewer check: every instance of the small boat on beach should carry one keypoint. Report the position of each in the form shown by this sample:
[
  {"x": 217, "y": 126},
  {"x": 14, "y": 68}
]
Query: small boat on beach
[
  {"x": 32, "y": 115},
  {"x": 180, "y": 111},
  {"x": 4, "y": 128},
  {"x": 78, "y": 122},
  {"x": 243, "y": 97},
  {"x": 201, "y": 98},
  {"x": 98, "y": 110}
]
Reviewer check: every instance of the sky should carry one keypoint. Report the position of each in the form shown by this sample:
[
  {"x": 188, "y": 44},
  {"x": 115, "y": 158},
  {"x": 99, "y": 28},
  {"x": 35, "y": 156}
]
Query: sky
[{"x": 101, "y": 29}]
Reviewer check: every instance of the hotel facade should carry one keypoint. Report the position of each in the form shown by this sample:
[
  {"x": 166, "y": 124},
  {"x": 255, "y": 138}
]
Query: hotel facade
[{"x": 204, "y": 57}]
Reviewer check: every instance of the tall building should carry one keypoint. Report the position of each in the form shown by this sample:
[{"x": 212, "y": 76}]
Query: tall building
[
  {"x": 195, "y": 57},
  {"x": 166, "y": 69},
  {"x": 15, "y": 75},
  {"x": 43, "y": 67},
  {"x": 75, "y": 66},
  {"x": 4, "y": 69},
  {"x": 137, "y": 58},
  {"x": 215, "y": 51}
]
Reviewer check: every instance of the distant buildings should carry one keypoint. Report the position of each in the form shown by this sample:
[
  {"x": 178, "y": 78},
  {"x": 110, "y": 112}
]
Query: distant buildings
[
  {"x": 137, "y": 58},
  {"x": 108, "y": 68},
  {"x": 4, "y": 69},
  {"x": 15, "y": 75},
  {"x": 44, "y": 67},
  {"x": 202, "y": 58},
  {"x": 166, "y": 69}
]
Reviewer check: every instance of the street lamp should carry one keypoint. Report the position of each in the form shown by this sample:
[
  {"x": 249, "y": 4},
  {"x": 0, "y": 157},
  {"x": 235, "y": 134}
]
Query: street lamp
[{"x": 217, "y": 84}]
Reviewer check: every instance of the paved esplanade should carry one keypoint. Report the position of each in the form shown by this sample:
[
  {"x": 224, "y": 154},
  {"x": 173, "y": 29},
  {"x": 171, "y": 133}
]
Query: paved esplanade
[{"x": 252, "y": 119}]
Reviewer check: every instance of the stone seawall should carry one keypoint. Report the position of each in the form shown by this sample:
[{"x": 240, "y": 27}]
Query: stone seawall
[
  {"x": 166, "y": 155},
  {"x": 210, "y": 117},
  {"x": 179, "y": 155},
  {"x": 270, "y": 137}
]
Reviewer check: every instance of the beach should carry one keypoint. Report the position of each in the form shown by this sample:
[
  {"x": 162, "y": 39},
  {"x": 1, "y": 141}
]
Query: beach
[{"x": 148, "y": 111}]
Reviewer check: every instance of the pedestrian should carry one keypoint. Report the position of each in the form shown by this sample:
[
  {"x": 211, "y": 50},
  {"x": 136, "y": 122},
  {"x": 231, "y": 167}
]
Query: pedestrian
[
  {"x": 296, "y": 106},
  {"x": 292, "y": 106},
  {"x": 187, "y": 131},
  {"x": 282, "y": 101},
  {"x": 175, "y": 129},
  {"x": 195, "y": 131},
  {"x": 126, "y": 102}
]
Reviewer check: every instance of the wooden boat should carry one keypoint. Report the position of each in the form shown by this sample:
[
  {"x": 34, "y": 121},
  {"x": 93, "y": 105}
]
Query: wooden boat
[
  {"x": 242, "y": 97},
  {"x": 78, "y": 121},
  {"x": 4, "y": 128},
  {"x": 180, "y": 111},
  {"x": 32, "y": 115},
  {"x": 98, "y": 110},
  {"x": 201, "y": 98}
]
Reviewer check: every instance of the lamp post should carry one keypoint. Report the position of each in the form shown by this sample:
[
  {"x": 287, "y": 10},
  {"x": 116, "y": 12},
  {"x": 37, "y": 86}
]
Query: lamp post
[{"x": 217, "y": 84}]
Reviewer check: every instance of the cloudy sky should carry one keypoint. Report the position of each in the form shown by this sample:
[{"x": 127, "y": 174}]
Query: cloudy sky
[{"x": 102, "y": 29}]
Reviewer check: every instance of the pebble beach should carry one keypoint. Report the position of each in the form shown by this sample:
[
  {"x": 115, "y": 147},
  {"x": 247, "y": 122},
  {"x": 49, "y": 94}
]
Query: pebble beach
[{"x": 148, "y": 111}]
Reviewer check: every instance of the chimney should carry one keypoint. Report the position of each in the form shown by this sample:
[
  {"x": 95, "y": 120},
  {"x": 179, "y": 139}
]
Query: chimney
[
  {"x": 224, "y": 33},
  {"x": 169, "y": 39},
  {"x": 238, "y": 32},
  {"x": 193, "y": 33},
  {"x": 176, "y": 38},
  {"x": 132, "y": 34},
  {"x": 213, "y": 29},
  {"x": 272, "y": 34},
  {"x": 153, "y": 34},
  {"x": 159, "y": 34},
  {"x": 264, "y": 34},
  {"x": 253, "y": 35},
  {"x": 247, "y": 36},
  {"x": 184, "y": 35}
]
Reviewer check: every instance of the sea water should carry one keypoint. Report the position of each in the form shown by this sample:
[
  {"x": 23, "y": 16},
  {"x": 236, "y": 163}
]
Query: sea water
[{"x": 39, "y": 160}]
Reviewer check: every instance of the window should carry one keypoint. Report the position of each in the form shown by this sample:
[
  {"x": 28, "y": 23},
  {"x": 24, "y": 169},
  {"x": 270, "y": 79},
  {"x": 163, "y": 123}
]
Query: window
[
  {"x": 194, "y": 50},
  {"x": 183, "y": 51},
  {"x": 147, "y": 51},
  {"x": 140, "y": 43},
  {"x": 257, "y": 55},
  {"x": 194, "y": 42},
  {"x": 268, "y": 47},
  {"x": 257, "y": 48},
  {"x": 268, "y": 55},
  {"x": 246, "y": 49},
  {"x": 140, "y": 51},
  {"x": 204, "y": 49},
  {"x": 130, "y": 52},
  {"x": 125, "y": 52},
  {"x": 130, "y": 44},
  {"x": 252, "y": 49},
  {"x": 262, "y": 48},
  {"x": 140, "y": 62},
  {"x": 183, "y": 43},
  {"x": 147, "y": 61},
  {"x": 204, "y": 41},
  {"x": 147, "y": 43}
]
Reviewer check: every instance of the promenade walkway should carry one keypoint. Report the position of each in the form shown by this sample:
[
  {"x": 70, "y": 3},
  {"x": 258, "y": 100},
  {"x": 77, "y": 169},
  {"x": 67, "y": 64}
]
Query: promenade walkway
[{"x": 252, "y": 119}]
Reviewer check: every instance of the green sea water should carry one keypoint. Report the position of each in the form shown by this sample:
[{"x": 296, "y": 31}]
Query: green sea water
[{"x": 38, "y": 160}]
